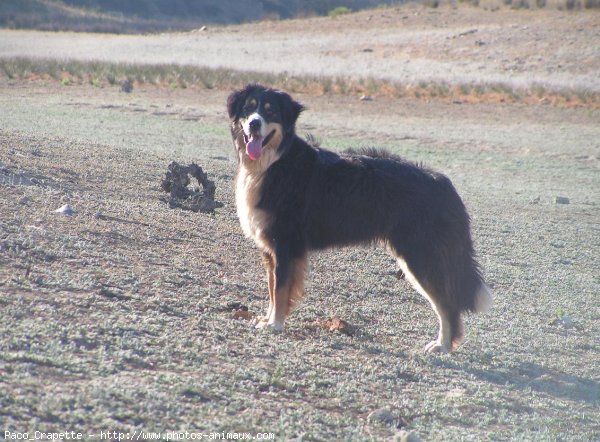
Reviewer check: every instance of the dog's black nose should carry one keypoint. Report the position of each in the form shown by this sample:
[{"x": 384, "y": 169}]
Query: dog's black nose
[{"x": 255, "y": 125}]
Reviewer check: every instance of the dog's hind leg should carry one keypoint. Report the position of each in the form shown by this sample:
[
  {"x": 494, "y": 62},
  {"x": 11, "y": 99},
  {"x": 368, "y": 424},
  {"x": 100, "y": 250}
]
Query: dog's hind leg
[
  {"x": 451, "y": 330},
  {"x": 450, "y": 322},
  {"x": 287, "y": 284}
]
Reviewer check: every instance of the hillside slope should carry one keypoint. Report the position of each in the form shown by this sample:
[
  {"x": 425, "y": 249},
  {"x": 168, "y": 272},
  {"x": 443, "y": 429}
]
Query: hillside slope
[
  {"x": 157, "y": 15},
  {"x": 409, "y": 45}
]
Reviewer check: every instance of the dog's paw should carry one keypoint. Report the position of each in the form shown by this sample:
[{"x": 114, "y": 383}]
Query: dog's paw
[
  {"x": 275, "y": 326},
  {"x": 260, "y": 321},
  {"x": 436, "y": 347}
]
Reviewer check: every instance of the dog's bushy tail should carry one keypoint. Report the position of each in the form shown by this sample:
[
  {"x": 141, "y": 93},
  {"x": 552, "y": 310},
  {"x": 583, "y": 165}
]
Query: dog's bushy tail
[{"x": 464, "y": 285}]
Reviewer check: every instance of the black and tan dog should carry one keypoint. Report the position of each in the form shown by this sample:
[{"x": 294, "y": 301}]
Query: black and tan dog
[{"x": 293, "y": 197}]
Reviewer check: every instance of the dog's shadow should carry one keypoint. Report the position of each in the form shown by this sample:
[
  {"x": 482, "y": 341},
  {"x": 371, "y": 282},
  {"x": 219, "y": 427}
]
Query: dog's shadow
[{"x": 528, "y": 375}]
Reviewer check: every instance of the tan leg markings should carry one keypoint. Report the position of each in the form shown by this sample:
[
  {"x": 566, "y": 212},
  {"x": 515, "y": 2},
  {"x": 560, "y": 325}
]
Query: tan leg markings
[{"x": 285, "y": 297}]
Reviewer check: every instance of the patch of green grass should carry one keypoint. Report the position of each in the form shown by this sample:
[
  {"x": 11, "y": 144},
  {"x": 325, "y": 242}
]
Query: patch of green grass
[
  {"x": 560, "y": 312},
  {"x": 340, "y": 10}
]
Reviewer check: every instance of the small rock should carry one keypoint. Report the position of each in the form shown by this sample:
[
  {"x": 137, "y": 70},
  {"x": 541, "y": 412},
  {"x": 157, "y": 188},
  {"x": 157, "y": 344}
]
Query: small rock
[
  {"x": 235, "y": 305},
  {"x": 382, "y": 416},
  {"x": 366, "y": 98},
  {"x": 407, "y": 436},
  {"x": 562, "y": 200},
  {"x": 65, "y": 210},
  {"x": 564, "y": 322},
  {"x": 470, "y": 31},
  {"x": 127, "y": 86}
]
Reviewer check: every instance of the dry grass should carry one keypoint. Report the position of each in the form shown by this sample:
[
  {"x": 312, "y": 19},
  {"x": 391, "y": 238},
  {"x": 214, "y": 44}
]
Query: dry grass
[
  {"x": 101, "y": 74},
  {"x": 495, "y": 5},
  {"x": 561, "y": 5},
  {"x": 120, "y": 316}
]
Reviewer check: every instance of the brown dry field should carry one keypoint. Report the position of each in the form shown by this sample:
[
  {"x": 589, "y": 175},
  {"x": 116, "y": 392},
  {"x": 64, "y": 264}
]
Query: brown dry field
[
  {"x": 519, "y": 48},
  {"x": 119, "y": 317}
]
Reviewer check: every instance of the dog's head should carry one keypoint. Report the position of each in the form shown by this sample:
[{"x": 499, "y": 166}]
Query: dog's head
[{"x": 261, "y": 118}]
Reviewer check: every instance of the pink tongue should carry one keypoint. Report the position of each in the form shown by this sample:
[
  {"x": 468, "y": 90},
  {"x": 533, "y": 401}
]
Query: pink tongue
[{"x": 254, "y": 147}]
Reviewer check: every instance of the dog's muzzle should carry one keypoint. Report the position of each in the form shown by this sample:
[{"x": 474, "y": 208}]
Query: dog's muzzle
[{"x": 254, "y": 139}]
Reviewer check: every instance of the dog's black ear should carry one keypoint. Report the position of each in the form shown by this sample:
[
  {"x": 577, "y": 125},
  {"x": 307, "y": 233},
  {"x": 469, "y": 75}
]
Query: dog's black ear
[
  {"x": 290, "y": 110},
  {"x": 235, "y": 101}
]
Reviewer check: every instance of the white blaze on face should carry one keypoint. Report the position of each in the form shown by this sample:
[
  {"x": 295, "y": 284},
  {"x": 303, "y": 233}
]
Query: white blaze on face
[
  {"x": 254, "y": 140},
  {"x": 252, "y": 117}
]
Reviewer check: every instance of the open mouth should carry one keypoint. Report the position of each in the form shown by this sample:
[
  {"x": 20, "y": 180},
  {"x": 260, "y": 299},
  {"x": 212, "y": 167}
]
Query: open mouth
[{"x": 255, "y": 143}]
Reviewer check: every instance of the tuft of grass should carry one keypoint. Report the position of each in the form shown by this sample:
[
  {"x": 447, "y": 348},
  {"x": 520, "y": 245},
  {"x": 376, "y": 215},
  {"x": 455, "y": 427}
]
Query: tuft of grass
[{"x": 340, "y": 10}]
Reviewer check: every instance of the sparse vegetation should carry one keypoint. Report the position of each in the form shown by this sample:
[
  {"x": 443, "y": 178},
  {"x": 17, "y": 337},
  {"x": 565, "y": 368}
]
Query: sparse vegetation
[
  {"x": 340, "y": 10},
  {"x": 118, "y": 316},
  {"x": 173, "y": 76},
  {"x": 166, "y": 15}
]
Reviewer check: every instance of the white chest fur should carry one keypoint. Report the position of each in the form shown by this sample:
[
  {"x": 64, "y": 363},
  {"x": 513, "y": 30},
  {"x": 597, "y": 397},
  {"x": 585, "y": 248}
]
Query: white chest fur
[{"x": 247, "y": 195}]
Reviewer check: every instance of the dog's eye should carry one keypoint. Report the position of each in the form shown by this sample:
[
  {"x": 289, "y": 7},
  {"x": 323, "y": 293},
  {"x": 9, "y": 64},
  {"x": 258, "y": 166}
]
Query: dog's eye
[{"x": 250, "y": 106}]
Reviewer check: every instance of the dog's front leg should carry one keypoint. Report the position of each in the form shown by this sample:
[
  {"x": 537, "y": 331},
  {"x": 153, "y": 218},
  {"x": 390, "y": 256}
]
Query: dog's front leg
[
  {"x": 269, "y": 263},
  {"x": 281, "y": 290},
  {"x": 286, "y": 286}
]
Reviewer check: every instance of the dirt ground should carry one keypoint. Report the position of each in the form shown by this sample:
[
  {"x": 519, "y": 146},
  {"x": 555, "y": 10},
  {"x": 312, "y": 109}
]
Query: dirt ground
[{"x": 119, "y": 317}]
